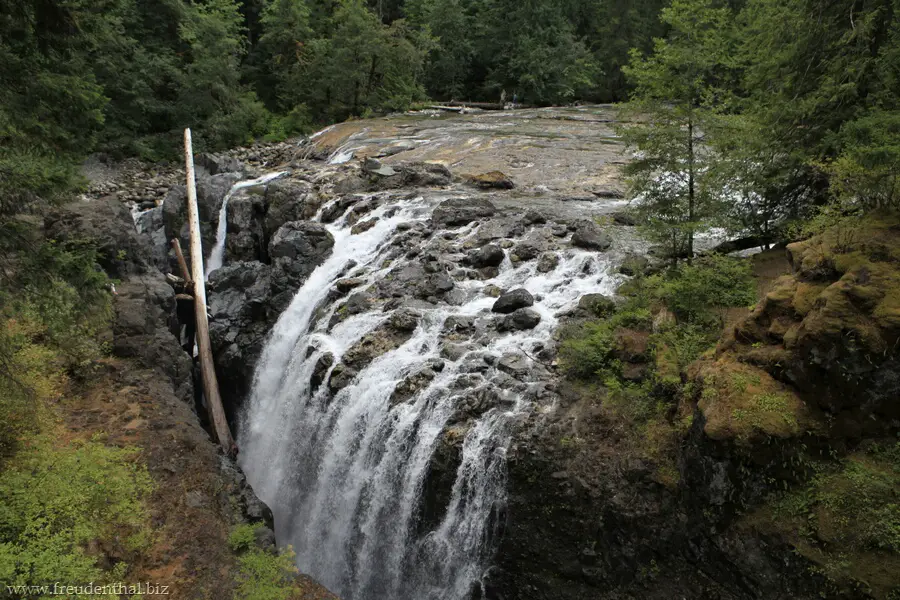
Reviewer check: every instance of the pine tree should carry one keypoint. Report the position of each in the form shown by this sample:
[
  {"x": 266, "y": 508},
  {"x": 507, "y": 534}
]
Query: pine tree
[{"x": 677, "y": 91}]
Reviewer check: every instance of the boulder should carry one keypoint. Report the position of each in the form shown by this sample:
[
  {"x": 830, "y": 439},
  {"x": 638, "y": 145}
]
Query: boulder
[
  {"x": 376, "y": 167},
  {"x": 462, "y": 211},
  {"x": 520, "y": 320},
  {"x": 597, "y": 305},
  {"x": 547, "y": 262},
  {"x": 487, "y": 256},
  {"x": 512, "y": 301},
  {"x": 108, "y": 224},
  {"x": 492, "y": 180},
  {"x": 634, "y": 264},
  {"x": 589, "y": 236},
  {"x": 298, "y": 248}
]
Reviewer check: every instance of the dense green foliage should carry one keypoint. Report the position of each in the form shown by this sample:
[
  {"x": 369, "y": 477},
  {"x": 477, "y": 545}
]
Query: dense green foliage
[
  {"x": 262, "y": 575},
  {"x": 54, "y": 501},
  {"x": 695, "y": 294},
  {"x": 751, "y": 116}
]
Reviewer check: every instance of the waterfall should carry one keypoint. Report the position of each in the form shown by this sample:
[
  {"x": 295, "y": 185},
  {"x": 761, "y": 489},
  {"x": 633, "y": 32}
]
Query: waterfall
[
  {"x": 217, "y": 256},
  {"x": 344, "y": 473}
]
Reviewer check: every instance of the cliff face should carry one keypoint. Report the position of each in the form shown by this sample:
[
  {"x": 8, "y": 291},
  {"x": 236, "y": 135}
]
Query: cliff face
[{"x": 773, "y": 475}]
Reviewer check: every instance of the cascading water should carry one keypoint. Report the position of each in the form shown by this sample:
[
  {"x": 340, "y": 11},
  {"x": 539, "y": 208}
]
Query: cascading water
[
  {"x": 217, "y": 256},
  {"x": 344, "y": 473}
]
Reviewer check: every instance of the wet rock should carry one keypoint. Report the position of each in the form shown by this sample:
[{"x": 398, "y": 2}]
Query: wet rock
[
  {"x": 320, "y": 371},
  {"x": 246, "y": 240},
  {"x": 336, "y": 209},
  {"x": 341, "y": 377},
  {"x": 454, "y": 352},
  {"x": 492, "y": 180},
  {"x": 299, "y": 247},
  {"x": 589, "y": 236},
  {"x": 547, "y": 262},
  {"x": 241, "y": 316},
  {"x": 412, "y": 385},
  {"x": 528, "y": 249},
  {"x": 385, "y": 338},
  {"x": 363, "y": 226},
  {"x": 404, "y": 320},
  {"x": 487, "y": 256},
  {"x": 288, "y": 200},
  {"x": 345, "y": 286},
  {"x": 492, "y": 290},
  {"x": 500, "y": 228},
  {"x": 459, "y": 324},
  {"x": 376, "y": 167},
  {"x": 520, "y": 320},
  {"x": 513, "y": 364},
  {"x": 512, "y": 301},
  {"x": 533, "y": 217},
  {"x": 461, "y": 211}
]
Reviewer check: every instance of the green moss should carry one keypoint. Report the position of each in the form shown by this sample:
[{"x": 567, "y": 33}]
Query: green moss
[
  {"x": 742, "y": 402},
  {"x": 846, "y": 520}
]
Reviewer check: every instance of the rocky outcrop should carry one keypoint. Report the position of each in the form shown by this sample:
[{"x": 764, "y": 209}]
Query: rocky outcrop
[
  {"x": 296, "y": 249},
  {"x": 589, "y": 236},
  {"x": 462, "y": 211}
]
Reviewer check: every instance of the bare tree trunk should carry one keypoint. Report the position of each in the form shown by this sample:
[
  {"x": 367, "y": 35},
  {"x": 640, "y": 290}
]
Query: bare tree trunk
[
  {"x": 182, "y": 263},
  {"x": 691, "y": 210},
  {"x": 207, "y": 370}
]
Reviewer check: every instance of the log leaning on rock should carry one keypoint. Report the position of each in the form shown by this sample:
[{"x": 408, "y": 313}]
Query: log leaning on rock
[{"x": 207, "y": 370}]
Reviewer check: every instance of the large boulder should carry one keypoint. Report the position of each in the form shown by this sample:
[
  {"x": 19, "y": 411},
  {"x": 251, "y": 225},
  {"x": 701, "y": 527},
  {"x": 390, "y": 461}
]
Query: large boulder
[
  {"x": 288, "y": 200},
  {"x": 241, "y": 315},
  {"x": 487, "y": 256},
  {"x": 108, "y": 224},
  {"x": 462, "y": 211},
  {"x": 492, "y": 180},
  {"x": 513, "y": 301},
  {"x": 246, "y": 240},
  {"x": 298, "y": 247},
  {"x": 589, "y": 236}
]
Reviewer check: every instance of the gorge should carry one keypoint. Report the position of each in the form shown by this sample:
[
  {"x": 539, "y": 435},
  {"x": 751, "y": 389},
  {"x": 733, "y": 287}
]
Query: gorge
[{"x": 386, "y": 325}]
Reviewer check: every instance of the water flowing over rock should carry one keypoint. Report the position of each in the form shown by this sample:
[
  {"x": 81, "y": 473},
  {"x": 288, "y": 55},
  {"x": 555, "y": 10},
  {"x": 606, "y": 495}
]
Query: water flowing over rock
[{"x": 388, "y": 391}]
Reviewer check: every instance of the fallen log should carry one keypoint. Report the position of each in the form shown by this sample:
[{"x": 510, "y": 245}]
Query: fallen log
[
  {"x": 745, "y": 243},
  {"x": 207, "y": 369}
]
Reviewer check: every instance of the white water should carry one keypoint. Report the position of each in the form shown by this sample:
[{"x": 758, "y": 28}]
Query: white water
[
  {"x": 344, "y": 474},
  {"x": 217, "y": 256}
]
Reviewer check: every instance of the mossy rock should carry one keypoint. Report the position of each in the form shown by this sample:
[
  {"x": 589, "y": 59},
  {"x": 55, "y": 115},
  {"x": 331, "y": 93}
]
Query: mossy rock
[{"x": 744, "y": 403}]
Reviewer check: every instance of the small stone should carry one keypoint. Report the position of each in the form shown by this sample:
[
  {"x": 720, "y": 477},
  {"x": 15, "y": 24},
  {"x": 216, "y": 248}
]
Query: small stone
[
  {"x": 487, "y": 256},
  {"x": 520, "y": 320}
]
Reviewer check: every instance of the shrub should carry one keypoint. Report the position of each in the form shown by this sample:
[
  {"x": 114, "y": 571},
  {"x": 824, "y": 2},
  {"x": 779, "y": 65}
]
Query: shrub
[
  {"x": 693, "y": 292},
  {"x": 56, "y": 501},
  {"x": 261, "y": 575}
]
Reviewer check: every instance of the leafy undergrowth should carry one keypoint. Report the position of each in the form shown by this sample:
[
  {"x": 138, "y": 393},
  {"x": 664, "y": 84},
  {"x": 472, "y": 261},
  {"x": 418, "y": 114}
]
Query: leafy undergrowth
[
  {"x": 634, "y": 355},
  {"x": 105, "y": 475},
  {"x": 845, "y": 520}
]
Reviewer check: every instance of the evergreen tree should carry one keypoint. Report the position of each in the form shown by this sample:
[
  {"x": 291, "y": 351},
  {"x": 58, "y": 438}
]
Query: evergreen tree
[{"x": 677, "y": 91}]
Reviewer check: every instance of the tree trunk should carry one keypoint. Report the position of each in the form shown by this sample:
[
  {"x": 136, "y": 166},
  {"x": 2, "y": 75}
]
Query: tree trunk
[
  {"x": 691, "y": 209},
  {"x": 207, "y": 370}
]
